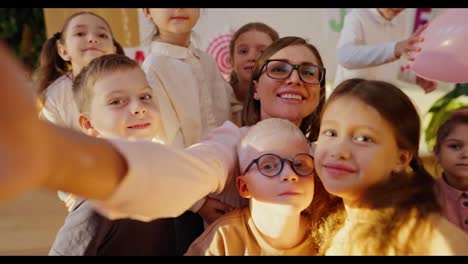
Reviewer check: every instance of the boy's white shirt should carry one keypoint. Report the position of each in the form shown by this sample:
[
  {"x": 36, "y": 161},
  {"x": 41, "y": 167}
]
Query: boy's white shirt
[{"x": 366, "y": 47}]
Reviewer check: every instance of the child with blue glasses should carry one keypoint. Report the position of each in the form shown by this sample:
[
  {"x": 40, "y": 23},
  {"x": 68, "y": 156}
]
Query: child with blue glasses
[{"x": 278, "y": 180}]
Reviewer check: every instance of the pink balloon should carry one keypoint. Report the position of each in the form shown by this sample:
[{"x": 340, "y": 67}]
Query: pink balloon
[{"x": 444, "y": 51}]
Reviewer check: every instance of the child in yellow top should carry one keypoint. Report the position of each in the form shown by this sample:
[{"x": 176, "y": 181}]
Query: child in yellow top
[
  {"x": 369, "y": 137},
  {"x": 278, "y": 179}
]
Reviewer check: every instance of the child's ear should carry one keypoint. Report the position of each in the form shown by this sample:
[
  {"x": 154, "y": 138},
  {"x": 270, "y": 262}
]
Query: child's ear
[
  {"x": 404, "y": 158},
  {"x": 255, "y": 94},
  {"x": 86, "y": 126},
  {"x": 242, "y": 187},
  {"x": 62, "y": 51}
]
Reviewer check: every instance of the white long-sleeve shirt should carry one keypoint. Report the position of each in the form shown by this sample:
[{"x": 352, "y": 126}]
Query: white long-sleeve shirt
[
  {"x": 194, "y": 98},
  {"x": 366, "y": 47},
  {"x": 165, "y": 182}
]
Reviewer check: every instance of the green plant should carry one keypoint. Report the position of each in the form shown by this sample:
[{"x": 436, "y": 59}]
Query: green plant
[
  {"x": 442, "y": 108},
  {"x": 24, "y": 31}
]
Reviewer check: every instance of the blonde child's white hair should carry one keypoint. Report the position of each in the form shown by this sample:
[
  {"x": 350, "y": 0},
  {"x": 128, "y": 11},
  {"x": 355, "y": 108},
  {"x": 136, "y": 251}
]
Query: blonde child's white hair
[{"x": 270, "y": 127}]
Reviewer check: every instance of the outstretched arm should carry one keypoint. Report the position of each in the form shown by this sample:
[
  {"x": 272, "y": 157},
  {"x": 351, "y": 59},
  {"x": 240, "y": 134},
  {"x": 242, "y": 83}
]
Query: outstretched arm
[
  {"x": 37, "y": 154},
  {"x": 135, "y": 178}
]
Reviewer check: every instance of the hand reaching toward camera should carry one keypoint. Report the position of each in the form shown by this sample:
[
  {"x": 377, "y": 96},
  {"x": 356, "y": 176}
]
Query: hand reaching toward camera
[{"x": 24, "y": 162}]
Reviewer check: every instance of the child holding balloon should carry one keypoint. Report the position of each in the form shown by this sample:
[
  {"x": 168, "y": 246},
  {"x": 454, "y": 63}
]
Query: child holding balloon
[{"x": 367, "y": 47}]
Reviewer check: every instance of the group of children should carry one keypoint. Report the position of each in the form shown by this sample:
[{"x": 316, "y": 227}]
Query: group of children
[
  {"x": 182, "y": 118},
  {"x": 359, "y": 189}
]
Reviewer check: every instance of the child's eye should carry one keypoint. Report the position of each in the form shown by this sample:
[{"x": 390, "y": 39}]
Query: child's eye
[
  {"x": 363, "y": 138},
  {"x": 146, "y": 97},
  {"x": 104, "y": 35},
  {"x": 242, "y": 51},
  {"x": 455, "y": 146},
  {"x": 79, "y": 34},
  {"x": 329, "y": 133},
  {"x": 116, "y": 102}
]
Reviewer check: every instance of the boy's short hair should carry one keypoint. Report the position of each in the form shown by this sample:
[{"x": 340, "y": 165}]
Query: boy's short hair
[
  {"x": 268, "y": 126},
  {"x": 84, "y": 82}
]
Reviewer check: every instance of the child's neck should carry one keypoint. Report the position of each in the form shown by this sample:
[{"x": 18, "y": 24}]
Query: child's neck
[
  {"x": 182, "y": 40},
  {"x": 385, "y": 17},
  {"x": 281, "y": 228},
  {"x": 457, "y": 183},
  {"x": 76, "y": 70}
]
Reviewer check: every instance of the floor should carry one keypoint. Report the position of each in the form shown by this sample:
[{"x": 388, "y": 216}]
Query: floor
[{"x": 29, "y": 223}]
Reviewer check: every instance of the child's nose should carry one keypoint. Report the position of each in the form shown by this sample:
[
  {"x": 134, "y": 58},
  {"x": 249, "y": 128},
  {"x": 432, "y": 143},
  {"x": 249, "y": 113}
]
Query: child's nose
[
  {"x": 138, "y": 109},
  {"x": 92, "y": 39},
  {"x": 288, "y": 173},
  {"x": 340, "y": 150}
]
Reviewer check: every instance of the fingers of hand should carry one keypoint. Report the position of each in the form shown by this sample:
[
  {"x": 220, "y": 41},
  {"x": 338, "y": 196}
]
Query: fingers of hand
[{"x": 420, "y": 29}]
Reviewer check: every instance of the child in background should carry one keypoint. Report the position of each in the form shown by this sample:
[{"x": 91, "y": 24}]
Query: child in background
[
  {"x": 246, "y": 45},
  {"x": 193, "y": 94},
  {"x": 278, "y": 179},
  {"x": 115, "y": 101},
  {"x": 451, "y": 152},
  {"x": 369, "y": 135},
  {"x": 84, "y": 36},
  {"x": 371, "y": 44},
  {"x": 193, "y": 97}
]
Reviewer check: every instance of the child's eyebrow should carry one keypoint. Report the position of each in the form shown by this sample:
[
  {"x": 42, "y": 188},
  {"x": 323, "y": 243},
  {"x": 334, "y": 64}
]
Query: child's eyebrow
[
  {"x": 120, "y": 92},
  {"x": 147, "y": 88},
  {"x": 457, "y": 140},
  {"x": 85, "y": 26},
  {"x": 328, "y": 122},
  {"x": 114, "y": 93},
  {"x": 355, "y": 126}
]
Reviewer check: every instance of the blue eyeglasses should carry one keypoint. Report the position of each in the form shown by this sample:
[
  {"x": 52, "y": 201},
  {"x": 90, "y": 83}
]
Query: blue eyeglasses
[{"x": 271, "y": 165}]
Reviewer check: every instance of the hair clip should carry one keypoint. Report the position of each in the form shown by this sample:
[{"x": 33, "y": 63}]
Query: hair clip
[{"x": 57, "y": 35}]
